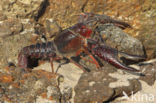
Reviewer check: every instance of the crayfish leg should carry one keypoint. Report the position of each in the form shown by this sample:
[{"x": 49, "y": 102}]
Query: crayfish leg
[
  {"x": 91, "y": 56},
  {"x": 80, "y": 66},
  {"x": 52, "y": 65}
]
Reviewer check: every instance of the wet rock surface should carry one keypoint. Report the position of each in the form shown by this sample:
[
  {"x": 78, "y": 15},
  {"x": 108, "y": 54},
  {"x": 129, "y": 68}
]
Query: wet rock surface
[{"x": 18, "y": 22}]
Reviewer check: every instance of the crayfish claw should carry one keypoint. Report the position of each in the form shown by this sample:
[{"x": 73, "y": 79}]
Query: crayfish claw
[{"x": 131, "y": 57}]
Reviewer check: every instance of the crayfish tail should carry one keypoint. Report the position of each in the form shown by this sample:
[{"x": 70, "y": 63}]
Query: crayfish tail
[{"x": 22, "y": 60}]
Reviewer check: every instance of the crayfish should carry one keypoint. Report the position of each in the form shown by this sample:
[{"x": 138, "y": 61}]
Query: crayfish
[{"x": 75, "y": 40}]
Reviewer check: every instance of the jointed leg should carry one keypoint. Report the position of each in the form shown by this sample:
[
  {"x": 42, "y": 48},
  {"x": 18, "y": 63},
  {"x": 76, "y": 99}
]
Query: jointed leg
[
  {"x": 52, "y": 66},
  {"x": 91, "y": 56},
  {"x": 51, "y": 62},
  {"x": 77, "y": 64},
  {"x": 91, "y": 61}
]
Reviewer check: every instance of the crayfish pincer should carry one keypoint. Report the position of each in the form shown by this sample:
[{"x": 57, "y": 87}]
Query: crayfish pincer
[{"x": 110, "y": 55}]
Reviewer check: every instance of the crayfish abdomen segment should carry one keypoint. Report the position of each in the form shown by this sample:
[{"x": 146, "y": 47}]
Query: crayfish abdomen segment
[
  {"x": 40, "y": 50},
  {"x": 22, "y": 60}
]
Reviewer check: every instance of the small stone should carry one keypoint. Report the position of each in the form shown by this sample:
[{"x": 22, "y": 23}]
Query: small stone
[
  {"x": 60, "y": 79},
  {"x": 52, "y": 27},
  {"x": 10, "y": 27},
  {"x": 5, "y": 31},
  {"x": 39, "y": 99},
  {"x": 38, "y": 84},
  {"x": 23, "y": 8},
  {"x": 150, "y": 73},
  {"x": 91, "y": 83},
  {"x": 2, "y": 91},
  {"x": 2, "y": 16},
  {"x": 6, "y": 78},
  {"x": 66, "y": 94}
]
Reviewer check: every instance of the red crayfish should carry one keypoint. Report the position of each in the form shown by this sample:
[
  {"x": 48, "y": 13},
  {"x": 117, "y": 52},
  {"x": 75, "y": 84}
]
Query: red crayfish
[{"x": 74, "y": 40}]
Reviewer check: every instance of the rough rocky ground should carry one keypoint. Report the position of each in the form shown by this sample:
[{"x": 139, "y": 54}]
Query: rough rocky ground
[{"x": 20, "y": 18}]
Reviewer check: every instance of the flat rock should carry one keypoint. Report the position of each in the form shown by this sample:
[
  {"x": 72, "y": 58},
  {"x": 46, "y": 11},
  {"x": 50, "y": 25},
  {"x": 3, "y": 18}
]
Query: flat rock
[
  {"x": 102, "y": 86},
  {"x": 115, "y": 37},
  {"x": 23, "y": 8}
]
